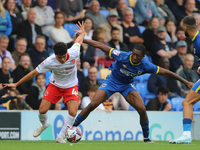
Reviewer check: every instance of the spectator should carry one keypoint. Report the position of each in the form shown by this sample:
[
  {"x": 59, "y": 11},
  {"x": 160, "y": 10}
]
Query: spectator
[
  {"x": 70, "y": 8},
  {"x": 5, "y": 21},
  {"x": 28, "y": 29},
  {"x": 38, "y": 53},
  {"x": 119, "y": 102},
  {"x": 16, "y": 19},
  {"x": 89, "y": 28},
  {"x": 171, "y": 32},
  {"x": 24, "y": 9},
  {"x": 5, "y": 53},
  {"x": 17, "y": 103},
  {"x": 96, "y": 56},
  {"x": 177, "y": 60},
  {"x": 180, "y": 34},
  {"x": 149, "y": 35},
  {"x": 115, "y": 40},
  {"x": 21, "y": 71},
  {"x": 161, "y": 48},
  {"x": 47, "y": 14},
  {"x": 6, "y": 76},
  {"x": 15, "y": 15},
  {"x": 20, "y": 48},
  {"x": 187, "y": 73},
  {"x": 87, "y": 99},
  {"x": 156, "y": 80},
  {"x": 131, "y": 33},
  {"x": 121, "y": 5},
  {"x": 91, "y": 79},
  {"x": 94, "y": 13},
  {"x": 160, "y": 102},
  {"x": 190, "y": 6},
  {"x": 164, "y": 10},
  {"x": 58, "y": 33},
  {"x": 36, "y": 92},
  {"x": 197, "y": 18},
  {"x": 80, "y": 74},
  {"x": 144, "y": 10},
  {"x": 177, "y": 8},
  {"x": 112, "y": 22}
]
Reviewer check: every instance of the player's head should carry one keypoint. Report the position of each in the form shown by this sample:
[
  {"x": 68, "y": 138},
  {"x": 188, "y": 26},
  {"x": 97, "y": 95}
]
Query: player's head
[
  {"x": 138, "y": 53},
  {"x": 60, "y": 50},
  {"x": 189, "y": 23}
]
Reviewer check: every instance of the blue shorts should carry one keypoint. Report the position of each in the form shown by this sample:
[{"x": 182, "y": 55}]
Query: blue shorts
[
  {"x": 111, "y": 85},
  {"x": 196, "y": 87}
]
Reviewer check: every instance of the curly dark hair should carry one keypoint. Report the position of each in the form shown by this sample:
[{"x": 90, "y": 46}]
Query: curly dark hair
[{"x": 60, "y": 48}]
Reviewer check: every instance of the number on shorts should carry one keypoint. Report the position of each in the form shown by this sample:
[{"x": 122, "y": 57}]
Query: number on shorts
[{"x": 74, "y": 92}]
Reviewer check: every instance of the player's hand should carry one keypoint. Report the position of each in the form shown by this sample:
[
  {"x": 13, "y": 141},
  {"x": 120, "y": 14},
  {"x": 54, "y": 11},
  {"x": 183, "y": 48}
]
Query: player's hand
[
  {"x": 81, "y": 27},
  {"x": 189, "y": 84},
  {"x": 12, "y": 85}
]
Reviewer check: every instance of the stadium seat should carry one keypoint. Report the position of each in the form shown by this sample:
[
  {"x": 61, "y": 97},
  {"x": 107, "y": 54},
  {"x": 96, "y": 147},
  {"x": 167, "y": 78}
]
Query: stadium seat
[
  {"x": 70, "y": 27},
  {"x": 104, "y": 12},
  {"x": 142, "y": 89},
  {"x": 141, "y": 28},
  {"x": 3, "y": 108},
  {"x": 177, "y": 104},
  {"x": 142, "y": 79},
  {"x": 196, "y": 106},
  {"x": 127, "y": 2}
]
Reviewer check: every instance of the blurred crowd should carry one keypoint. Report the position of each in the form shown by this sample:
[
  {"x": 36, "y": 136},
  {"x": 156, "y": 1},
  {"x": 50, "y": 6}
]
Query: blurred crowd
[{"x": 30, "y": 28}]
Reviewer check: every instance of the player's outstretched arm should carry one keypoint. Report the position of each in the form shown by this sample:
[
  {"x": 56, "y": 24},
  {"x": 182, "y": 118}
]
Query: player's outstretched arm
[
  {"x": 170, "y": 74},
  {"x": 27, "y": 77},
  {"x": 106, "y": 49},
  {"x": 80, "y": 32}
]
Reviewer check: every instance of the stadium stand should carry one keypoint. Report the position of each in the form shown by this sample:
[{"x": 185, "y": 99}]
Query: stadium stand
[
  {"x": 104, "y": 12},
  {"x": 70, "y": 27},
  {"x": 177, "y": 104}
]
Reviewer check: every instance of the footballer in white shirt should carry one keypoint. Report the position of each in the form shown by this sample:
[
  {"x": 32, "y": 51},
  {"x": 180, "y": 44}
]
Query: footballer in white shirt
[{"x": 63, "y": 82}]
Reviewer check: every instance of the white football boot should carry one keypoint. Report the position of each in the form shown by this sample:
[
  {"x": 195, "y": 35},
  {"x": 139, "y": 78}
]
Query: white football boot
[
  {"x": 39, "y": 130},
  {"x": 181, "y": 140}
]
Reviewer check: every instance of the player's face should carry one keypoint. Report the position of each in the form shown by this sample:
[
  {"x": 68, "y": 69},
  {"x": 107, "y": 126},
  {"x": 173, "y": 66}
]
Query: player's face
[
  {"x": 62, "y": 58},
  {"x": 162, "y": 97},
  {"x": 136, "y": 56}
]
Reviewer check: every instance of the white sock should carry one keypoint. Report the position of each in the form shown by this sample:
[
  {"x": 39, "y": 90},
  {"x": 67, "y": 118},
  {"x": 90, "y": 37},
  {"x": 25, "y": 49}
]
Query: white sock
[
  {"x": 43, "y": 119},
  {"x": 187, "y": 133},
  {"x": 67, "y": 124}
]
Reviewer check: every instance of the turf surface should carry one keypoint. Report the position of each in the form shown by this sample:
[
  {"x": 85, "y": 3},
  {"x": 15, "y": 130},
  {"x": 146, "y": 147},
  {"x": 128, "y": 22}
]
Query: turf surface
[{"x": 96, "y": 145}]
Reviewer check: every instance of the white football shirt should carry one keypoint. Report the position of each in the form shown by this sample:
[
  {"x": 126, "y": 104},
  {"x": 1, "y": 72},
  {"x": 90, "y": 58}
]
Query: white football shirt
[{"x": 63, "y": 75}]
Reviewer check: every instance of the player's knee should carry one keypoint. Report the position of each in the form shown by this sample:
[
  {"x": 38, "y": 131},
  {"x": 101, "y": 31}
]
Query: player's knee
[
  {"x": 185, "y": 102},
  {"x": 73, "y": 113},
  {"x": 42, "y": 111},
  {"x": 142, "y": 111}
]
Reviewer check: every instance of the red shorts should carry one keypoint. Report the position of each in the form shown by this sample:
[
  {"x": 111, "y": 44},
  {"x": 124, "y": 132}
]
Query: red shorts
[{"x": 54, "y": 93}]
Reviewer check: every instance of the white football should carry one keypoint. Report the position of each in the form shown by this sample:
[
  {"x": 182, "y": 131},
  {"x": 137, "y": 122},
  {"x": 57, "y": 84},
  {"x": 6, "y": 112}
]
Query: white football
[{"x": 73, "y": 134}]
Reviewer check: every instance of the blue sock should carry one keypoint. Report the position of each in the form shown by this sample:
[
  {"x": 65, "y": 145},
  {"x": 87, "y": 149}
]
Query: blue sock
[
  {"x": 145, "y": 128},
  {"x": 187, "y": 124},
  {"x": 78, "y": 120}
]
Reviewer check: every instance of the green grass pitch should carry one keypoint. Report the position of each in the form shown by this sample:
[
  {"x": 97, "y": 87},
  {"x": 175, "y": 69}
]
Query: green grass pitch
[{"x": 96, "y": 145}]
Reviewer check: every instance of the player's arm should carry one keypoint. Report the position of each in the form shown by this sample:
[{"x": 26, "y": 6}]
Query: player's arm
[
  {"x": 106, "y": 49},
  {"x": 80, "y": 33},
  {"x": 170, "y": 74},
  {"x": 27, "y": 77}
]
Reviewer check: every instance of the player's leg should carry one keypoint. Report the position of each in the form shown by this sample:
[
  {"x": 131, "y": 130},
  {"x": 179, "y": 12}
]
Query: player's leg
[
  {"x": 187, "y": 103},
  {"x": 135, "y": 100},
  {"x": 99, "y": 97},
  {"x": 72, "y": 111},
  {"x": 44, "y": 107}
]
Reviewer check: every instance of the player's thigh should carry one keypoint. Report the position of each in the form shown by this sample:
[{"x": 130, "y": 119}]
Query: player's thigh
[
  {"x": 191, "y": 98},
  {"x": 135, "y": 100},
  {"x": 99, "y": 97},
  {"x": 44, "y": 106},
  {"x": 72, "y": 106}
]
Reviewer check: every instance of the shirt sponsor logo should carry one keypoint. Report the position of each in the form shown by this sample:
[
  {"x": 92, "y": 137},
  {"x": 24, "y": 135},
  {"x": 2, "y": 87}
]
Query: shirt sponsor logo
[
  {"x": 116, "y": 52},
  {"x": 127, "y": 73}
]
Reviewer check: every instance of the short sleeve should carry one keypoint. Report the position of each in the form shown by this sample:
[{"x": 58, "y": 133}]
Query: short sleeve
[
  {"x": 151, "y": 68},
  {"x": 74, "y": 50},
  {"x": 43, "y": 67},
  {"x": 116, "y": 54}
]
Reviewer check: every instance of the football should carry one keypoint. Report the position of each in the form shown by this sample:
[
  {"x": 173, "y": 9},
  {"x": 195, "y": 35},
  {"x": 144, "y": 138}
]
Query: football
[{"x": 73, "y": 134}]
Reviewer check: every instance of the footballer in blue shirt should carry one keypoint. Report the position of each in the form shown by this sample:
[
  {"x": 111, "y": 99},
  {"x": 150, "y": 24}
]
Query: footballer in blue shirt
[
  {"x": 127, "y": 65},
  {"x": 189, "y": 26}
]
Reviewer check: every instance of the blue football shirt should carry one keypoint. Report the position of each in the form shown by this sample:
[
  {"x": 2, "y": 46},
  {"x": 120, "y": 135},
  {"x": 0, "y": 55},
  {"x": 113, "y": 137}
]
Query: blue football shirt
[
  {"x": 196, "y": 45},
  {"x": 124, "y": 70}
]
